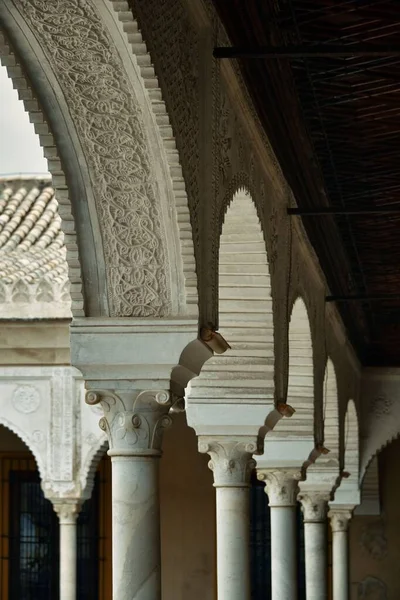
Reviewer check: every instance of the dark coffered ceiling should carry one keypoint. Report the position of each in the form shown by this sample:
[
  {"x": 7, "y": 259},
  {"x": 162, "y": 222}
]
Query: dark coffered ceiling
[{"x": 325, "y": 79}]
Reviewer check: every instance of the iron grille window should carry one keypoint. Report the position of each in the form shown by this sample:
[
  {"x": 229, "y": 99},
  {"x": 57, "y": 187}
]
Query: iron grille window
[
  {"x": 34, "y": 542},
  {"x": 88, "y": 547},
  {"x": 260, "y": 545}
]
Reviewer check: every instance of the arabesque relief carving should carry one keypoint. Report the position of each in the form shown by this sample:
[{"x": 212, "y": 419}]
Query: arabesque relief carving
[{"x": 104, "y": 110}]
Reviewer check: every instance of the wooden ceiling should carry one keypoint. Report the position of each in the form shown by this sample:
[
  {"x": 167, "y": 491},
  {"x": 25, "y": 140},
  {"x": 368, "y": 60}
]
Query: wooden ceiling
[{"x": 326, "y": 84}]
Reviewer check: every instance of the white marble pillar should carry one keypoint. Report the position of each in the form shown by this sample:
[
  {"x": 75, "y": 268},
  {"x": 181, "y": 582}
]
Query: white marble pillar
[
  {"x": 231, "y": 463},
  {"x": 134, "y": 423},
  {"x": 67, "y": 514},
  {"x": 315, "y": 508},
  {"x": 339, "y": 519},
  {"x": 281, "y": 485}
]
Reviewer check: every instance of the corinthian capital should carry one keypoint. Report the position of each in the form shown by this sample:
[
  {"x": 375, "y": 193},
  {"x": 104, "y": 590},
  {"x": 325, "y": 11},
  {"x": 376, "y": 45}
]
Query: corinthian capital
[
  {"x": 281, "y": 485},
  {"x": 339, "y": 518},
  {"x": 133, "y": 421},
  {"x": 314, "y": 504},
  {"x": 67, "y": 511},
  {"x": 231, "y": 460}
]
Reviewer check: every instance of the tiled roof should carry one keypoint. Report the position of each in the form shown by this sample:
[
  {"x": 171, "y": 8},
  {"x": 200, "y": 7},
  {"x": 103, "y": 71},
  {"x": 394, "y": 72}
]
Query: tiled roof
[{"x": 33, "y": 265}]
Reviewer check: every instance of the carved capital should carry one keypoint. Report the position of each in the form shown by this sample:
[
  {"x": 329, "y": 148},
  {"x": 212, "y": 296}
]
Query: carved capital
[
  {"x": 67, "y": 512},
  {"x": 231, "y": 460},
  {"x": 133, "y": 421},
  {"x": 314, "y": 505},
  {"x": 281, "y": 485},
  {"x": 339, "y": 518}
]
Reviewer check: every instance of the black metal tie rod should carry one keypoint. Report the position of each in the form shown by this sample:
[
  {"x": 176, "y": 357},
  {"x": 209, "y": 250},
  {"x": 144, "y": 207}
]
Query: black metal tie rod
[
  {"x": 331, "y": 210},
  {"x": 362, "y": 298},
  {"x": 315, "y": 51}
]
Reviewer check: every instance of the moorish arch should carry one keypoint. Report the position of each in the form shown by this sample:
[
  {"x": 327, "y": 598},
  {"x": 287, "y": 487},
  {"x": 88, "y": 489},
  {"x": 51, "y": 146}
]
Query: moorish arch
[
  {"x": 114, "y": 141},
  {"x": 300, "y": 391},
  {"x": 245, "y": 372},
  {"x": 331, "y": 412},
  {"x": 351, "y": 446},
  {"x": 27, "y": 441}
]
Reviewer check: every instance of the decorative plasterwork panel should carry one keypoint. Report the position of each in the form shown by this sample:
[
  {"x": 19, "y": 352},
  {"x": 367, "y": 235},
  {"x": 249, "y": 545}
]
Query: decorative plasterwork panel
[
  {"x": 43, "y": 405},
  {"x": 106, "y": 112}
]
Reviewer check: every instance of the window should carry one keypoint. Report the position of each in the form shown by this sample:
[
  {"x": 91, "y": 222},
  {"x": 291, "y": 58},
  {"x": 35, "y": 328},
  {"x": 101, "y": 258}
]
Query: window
[
  {"x": 34, "y": 540},
  {"x": 30, "y": 538}
]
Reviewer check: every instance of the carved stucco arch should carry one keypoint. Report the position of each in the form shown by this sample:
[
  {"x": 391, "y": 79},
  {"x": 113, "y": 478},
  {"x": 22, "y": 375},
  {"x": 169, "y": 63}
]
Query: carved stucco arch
[
  {"x": 246, "y": 370},
  {"x": 39, "y": 459},
  {"x": 118, "y": 150}
]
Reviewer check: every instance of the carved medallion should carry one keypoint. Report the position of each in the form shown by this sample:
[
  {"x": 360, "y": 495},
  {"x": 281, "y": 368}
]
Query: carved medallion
[
  {"x": 372, "y": 588},
  {"x": 374, "y": 541},
  {"x": 26, "y": 399},
  {"x": 38, "y": 437}
]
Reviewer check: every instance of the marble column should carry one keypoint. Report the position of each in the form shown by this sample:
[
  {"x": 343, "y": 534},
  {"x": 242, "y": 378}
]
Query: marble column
[
  {"x": 315, "y": 508},
  {"x": 134, "y": 423},
  {"x": 67, "y": 514},
  {"x": 281, "y": 486},
  {"x": 340, "y": 552},
  {"x": 232, "y": 463}
]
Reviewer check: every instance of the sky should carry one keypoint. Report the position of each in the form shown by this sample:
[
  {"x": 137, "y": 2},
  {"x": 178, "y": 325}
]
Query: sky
[{"x": 20, "y": 151}]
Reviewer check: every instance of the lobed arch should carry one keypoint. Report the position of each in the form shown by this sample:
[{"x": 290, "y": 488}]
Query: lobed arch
[
  {"x": 28, "y": 442},
  {"x": 117, "y": 147},
  {"x": 90, "y": 462},
  {"x": 245, "y": 372}
]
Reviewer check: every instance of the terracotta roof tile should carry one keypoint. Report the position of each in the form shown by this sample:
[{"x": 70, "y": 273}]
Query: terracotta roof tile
[{"x": 31, "y": 239}]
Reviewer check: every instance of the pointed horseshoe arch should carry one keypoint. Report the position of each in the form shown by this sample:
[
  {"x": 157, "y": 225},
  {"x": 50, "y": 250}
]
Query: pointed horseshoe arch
[
  {"x": 351, "y": 444},
  {"x": 300, "y": 393},
  {"x": 331, "y": 411},
  {"x": 112, "y": 132},
  {"x": 245, "y": 371}
]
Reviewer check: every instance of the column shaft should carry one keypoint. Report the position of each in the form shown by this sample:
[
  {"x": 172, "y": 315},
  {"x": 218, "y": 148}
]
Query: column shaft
[
  {"x": 316, "y": 545},
  {"x": 340, "y": 565},
  {"x": 340, "y": 517},
  {"x": 68, "y": 561},
  {"x": 135, "y": 422},
  {"x": 67, "y": 515},
  {"x": 136, "y": 528},
  {"x": 283, "y": 553},
  {"x": 232, "y": 543},
  {"x": 281, "y": 486}
]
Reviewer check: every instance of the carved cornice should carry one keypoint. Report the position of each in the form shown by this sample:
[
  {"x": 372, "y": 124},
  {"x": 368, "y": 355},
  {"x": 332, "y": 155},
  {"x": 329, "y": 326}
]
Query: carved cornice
[
  {"x": 340, "y": 518},
  {"x": 133, "y": 421},
  {"x": 281, "y": 485},
  {"x": 314, "y": 505},
  {"x": 231, "y": 460}
]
